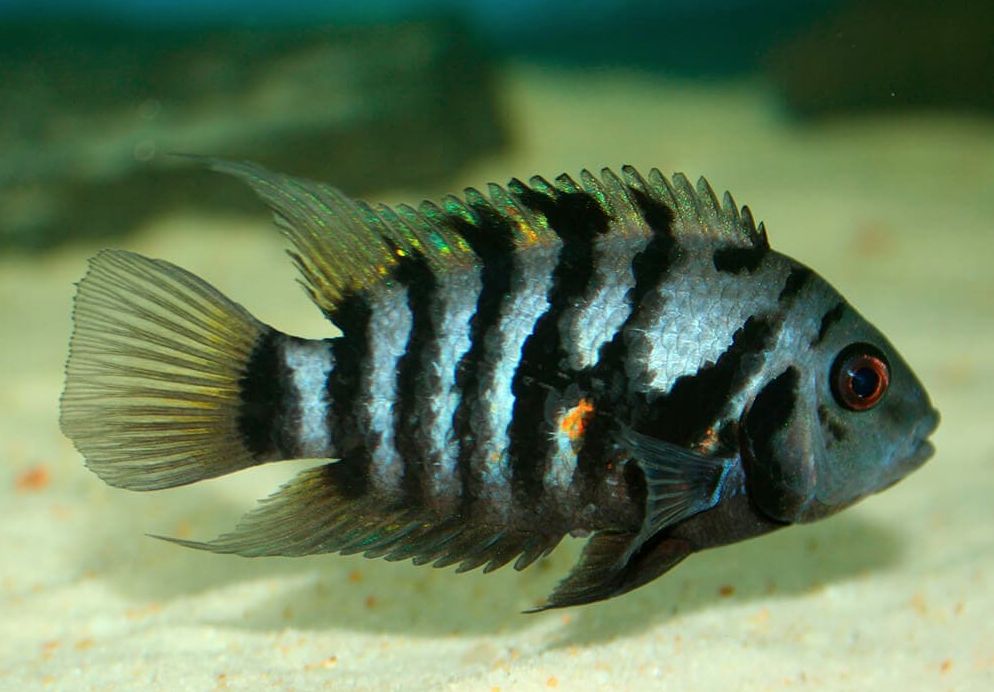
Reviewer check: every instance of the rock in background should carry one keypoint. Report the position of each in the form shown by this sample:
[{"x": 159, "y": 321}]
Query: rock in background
[
  {"x": 871, "y": 55},
  {"x": 90, "y": 111}
]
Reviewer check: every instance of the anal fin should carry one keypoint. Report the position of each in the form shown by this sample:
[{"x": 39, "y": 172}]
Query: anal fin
[
  {"x": 609, "y": 568},
  {"x": 592, "y": 577},
  {"x": 315, "y": 513}
]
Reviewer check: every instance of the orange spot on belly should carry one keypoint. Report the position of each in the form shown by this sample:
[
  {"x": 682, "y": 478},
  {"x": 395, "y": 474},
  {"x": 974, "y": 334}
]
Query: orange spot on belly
[{"x": 574, "y": 423}]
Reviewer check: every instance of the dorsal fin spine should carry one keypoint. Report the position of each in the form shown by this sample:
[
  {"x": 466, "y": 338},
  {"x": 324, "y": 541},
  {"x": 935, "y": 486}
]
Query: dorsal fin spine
[
  {"x": 665, "y": 191},
  {"x": 593, "y": 187},
  {"x": 729, "y": 209},
  {"x": 474, "y": 198},
  {"x": 448, "y": 241},
  {"x": 541, "y": 185},
  {"x": 627, "y": 214},
  {"x": 456, "y": 207},
  {"x": 688, "y": 206},
  {"x": 634, "y": 180},
  {"x": 707, "y": 202},
  {"x": 566, "y": 184}
]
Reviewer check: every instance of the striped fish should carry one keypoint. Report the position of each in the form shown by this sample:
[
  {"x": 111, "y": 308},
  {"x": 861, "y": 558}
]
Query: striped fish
[{"x": 612, "y": 356}]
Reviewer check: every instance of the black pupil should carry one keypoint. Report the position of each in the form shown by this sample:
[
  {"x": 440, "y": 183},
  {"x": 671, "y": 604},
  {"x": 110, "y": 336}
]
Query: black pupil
[{"x": 865, "y": 381}]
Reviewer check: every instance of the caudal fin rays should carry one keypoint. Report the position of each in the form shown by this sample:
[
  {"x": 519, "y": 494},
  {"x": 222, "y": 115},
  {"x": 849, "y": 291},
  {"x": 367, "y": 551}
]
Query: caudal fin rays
[{"x": 152, "y": 381}]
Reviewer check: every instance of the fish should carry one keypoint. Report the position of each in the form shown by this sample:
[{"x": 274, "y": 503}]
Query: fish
[{"x": 616, "y": 357}]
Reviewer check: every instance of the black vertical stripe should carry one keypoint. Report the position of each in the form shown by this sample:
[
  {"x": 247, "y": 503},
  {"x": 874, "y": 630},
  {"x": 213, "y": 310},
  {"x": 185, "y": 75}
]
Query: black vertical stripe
[
  {"x": 414, "y": 273},
  {"x": 263, "y": 419},
  {"x": 833, "y": 428},
  {"x": 491, "y": 237},
  {"x": 799, "y": 277},
  {"x": 695, "y": 402},
  {"x": 771, "y": 411},
  {"x": 686, "y": 413},
  {"x": 577, "y": 218},
  {"x": 768, "y": 416},
  {"x": 352, "y": 315},
  {"x": 827, "y": 320},
  {"x": 606, "y": 379},
  {"x": 662, "y": 251},
  {"x": 736, "y": 259}
]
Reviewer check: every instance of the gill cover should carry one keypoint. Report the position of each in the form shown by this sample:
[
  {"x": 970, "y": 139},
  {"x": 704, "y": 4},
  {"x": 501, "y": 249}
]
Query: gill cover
[{"x": 778, "y": 451}]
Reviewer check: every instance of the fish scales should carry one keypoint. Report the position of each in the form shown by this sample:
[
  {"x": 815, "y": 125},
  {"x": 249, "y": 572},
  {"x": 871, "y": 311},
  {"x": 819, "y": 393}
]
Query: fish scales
[
  {"x": 618, "y": 356},
  {"x": 436, "y": 390},
  {"x": 389, "y": 336},
  {"x": 649, "y": 267},
  {"x": 578, "y": 219},
  {"x": 309, "y": 364}
]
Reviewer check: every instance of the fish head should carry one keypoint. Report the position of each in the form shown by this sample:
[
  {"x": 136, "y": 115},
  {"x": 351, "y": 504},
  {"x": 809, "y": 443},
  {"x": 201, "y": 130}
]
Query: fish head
[{"x": 845, "y": 419}]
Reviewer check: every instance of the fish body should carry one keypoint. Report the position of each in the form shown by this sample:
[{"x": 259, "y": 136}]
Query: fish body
[{"x": 618, "y": 357}]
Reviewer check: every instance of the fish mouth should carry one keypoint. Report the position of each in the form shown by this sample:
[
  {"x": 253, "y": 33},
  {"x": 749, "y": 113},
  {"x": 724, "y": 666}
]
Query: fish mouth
[
  {"x": 923, "y": 447},
  {"x": 923, "y": 452}
]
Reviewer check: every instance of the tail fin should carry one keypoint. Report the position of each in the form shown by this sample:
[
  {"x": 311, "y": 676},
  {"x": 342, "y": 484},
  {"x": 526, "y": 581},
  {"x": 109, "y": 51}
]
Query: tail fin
[{"x": 152, "y": 383}]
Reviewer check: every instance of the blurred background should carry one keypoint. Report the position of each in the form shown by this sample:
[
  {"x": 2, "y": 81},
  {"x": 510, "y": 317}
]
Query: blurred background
[
  {"x": 861, "y": 131},
  {"x": 95, "y": 95}
]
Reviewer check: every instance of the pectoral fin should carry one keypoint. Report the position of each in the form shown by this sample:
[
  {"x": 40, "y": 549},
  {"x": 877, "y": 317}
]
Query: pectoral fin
[{"x": 679, "y": 484}]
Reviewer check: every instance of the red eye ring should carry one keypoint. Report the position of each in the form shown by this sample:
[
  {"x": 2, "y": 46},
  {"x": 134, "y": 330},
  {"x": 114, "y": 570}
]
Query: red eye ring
[{"x": 860, "y": 377}]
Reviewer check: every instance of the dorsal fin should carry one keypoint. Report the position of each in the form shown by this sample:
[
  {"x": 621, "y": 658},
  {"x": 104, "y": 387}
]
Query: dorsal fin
[
  {"x": 343, "y": 246},
  {"x": 697, "y": 211}
]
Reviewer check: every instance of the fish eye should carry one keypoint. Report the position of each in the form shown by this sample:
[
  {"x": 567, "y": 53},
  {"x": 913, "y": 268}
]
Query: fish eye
[{"x": 860, "y": 377}]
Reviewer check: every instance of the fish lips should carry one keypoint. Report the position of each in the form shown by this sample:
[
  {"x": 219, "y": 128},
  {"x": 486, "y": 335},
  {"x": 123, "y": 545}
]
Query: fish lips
[{"x": 923, "y": 448}]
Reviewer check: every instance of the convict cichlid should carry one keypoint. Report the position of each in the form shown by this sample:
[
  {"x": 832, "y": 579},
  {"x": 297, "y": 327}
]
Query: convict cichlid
[{"x": 617, "y": 356}]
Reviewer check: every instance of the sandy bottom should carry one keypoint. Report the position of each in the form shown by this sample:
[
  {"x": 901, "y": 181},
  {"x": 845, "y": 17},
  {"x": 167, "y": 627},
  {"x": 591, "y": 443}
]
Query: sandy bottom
[{"x": 894, "y": 592}]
